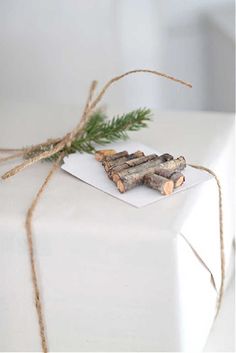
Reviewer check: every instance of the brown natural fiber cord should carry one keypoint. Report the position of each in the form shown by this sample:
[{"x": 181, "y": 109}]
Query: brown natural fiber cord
[
  {"x": 29, "y": 232},
  {"x": 10, "y": 149},
  {"x": 31, "y": 249},
  {"x": 221, "y": 231},
  {"x": 22, "y": 151},
  {"x": 12, "y": 156},
  {"x": 60, "y": 144}
]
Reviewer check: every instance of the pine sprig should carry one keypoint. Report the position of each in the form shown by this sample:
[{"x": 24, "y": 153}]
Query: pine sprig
[{"x": 100, "y": 131}]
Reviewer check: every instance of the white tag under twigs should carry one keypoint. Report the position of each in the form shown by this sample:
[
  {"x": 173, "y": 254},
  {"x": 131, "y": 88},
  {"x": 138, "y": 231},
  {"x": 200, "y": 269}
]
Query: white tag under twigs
[{"x": 86, "y": 168}]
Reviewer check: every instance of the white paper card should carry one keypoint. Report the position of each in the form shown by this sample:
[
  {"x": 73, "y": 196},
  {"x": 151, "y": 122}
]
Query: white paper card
[{"x": 85, "y": 167}]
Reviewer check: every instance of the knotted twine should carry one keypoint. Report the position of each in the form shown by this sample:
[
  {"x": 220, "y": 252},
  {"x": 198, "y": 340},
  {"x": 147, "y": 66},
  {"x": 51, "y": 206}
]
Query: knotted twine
[{"x": 58, "y": 145}]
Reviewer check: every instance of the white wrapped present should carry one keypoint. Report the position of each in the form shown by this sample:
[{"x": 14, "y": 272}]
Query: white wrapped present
[{"x": 114, "y": 277}]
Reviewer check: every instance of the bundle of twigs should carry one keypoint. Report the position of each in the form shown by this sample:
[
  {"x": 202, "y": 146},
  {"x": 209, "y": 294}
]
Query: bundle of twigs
[{"x": 126, "y": 170}]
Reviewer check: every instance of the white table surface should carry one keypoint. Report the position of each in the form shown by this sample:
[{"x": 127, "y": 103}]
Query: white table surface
[{"x": 204, "y": 138}]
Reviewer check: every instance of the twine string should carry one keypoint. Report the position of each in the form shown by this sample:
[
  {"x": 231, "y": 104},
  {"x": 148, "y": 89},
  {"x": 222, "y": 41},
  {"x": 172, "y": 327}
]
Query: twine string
[
  {"x": 221, "y": 233},
  {"x": 7, "y": 150},
  {"x": 60, "y": 143},
  {"x": 21, "y": 152},
  {"x": 31, "y": 251},
  {"x": 12, "y": 156},
  {"x": 85, "y": 116},
  {"x": 117, "y": 78},
  {"x": 30, "y": 242}
]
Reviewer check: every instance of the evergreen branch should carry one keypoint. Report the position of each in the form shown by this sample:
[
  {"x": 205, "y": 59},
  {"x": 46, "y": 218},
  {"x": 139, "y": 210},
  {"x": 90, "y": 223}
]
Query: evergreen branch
[{"x": 100, "y": 131}]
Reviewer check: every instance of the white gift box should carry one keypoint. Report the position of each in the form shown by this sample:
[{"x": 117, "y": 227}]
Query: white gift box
[{"x": 114, "y": 277}]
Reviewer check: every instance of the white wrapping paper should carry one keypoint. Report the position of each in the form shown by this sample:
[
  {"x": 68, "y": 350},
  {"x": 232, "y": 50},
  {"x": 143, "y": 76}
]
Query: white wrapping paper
[{"x": 114, "y": 277}]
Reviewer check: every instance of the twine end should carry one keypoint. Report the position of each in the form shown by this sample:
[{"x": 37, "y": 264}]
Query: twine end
[{"x": 5, "y": 176}]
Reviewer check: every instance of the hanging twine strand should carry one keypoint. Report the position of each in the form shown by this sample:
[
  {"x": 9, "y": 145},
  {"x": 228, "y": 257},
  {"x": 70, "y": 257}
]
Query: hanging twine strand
[
  {"x": 221, "y": 231},
  {"x": 57, "y": 145},
  {"x": 29, "y": 233},
  {"x": 31, "y": 250}
]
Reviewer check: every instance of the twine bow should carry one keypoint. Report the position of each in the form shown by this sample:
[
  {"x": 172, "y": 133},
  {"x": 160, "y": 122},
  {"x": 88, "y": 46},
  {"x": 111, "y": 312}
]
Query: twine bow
[{"x": 60, "y": 145}]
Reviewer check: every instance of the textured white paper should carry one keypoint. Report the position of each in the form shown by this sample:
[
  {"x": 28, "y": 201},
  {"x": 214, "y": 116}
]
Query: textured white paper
[{"x": 85, "y": 167}]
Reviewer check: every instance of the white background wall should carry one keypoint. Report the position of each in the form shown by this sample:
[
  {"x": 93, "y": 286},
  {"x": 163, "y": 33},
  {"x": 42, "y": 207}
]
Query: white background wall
[{"x": 50, "y": 50}]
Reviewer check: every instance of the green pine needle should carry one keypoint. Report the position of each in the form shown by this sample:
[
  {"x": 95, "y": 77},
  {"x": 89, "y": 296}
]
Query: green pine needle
[{"x": 100, "y": 131}]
